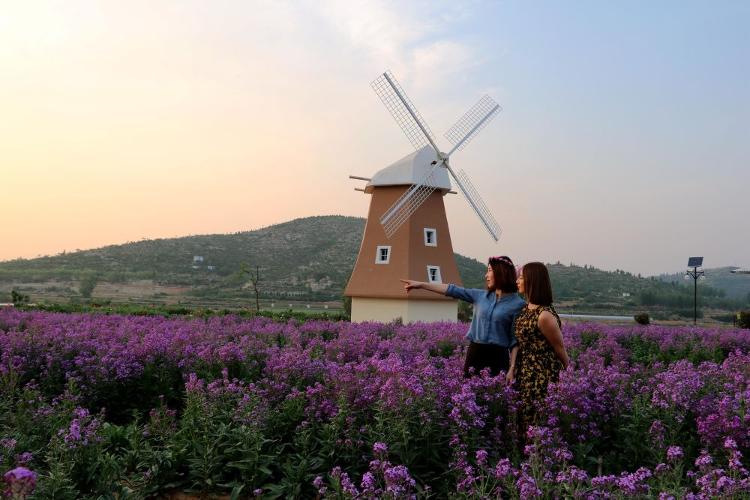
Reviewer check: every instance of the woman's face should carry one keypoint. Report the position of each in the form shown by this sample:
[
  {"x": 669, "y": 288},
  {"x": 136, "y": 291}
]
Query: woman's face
[
  {"x": 489, "y": 278},
  {"x": 519, "y": 282}
]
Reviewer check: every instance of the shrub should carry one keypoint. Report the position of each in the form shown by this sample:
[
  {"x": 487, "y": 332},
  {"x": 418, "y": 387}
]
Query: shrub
[
  {"x": 642, "y": 318},
  {"x": 347, "y": 301},
  {"x": 18, "y": 298},
  {"x": 465, "y": 311},
  {"x": 743, "y": 319},
  {"x": 725, "y": 318}
]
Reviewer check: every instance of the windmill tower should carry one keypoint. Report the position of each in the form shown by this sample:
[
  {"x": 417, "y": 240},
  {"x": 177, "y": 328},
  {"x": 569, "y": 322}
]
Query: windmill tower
[{"x": 406, "y": 234}]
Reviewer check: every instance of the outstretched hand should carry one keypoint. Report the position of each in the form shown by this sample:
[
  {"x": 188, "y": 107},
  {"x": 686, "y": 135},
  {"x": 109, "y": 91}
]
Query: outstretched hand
[{"x": 410, "y": 284}]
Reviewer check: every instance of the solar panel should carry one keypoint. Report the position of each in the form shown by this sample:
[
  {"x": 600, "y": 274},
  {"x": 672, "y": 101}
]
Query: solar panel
[{"x": 695, "y": 262}]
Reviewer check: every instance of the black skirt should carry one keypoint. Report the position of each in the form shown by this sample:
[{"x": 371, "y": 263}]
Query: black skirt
[{"x": 480, "y": 356}]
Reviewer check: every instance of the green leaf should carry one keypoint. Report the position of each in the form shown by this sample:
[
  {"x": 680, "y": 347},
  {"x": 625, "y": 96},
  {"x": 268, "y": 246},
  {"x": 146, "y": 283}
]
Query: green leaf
[{"x": 236, "y": 492}]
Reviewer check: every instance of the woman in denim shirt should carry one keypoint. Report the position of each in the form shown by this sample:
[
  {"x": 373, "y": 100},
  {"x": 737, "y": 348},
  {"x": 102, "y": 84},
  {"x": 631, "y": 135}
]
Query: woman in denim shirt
[{"x": 492, "y": 342}]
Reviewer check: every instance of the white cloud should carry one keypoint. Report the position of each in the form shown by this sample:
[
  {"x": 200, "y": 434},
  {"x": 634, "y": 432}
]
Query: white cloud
[
  {"x": 407, "y": 38},
  {"x": 441, "y": 60}
]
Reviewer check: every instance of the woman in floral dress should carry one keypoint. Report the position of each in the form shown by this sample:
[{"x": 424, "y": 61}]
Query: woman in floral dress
[{"x": 540, "y": 351}]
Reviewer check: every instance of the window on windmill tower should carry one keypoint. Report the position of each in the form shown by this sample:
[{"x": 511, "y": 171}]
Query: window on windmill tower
[
  {"x": 433, "y": 274},
  {"x": 383, "y": 254},
  {"x": 430, "y": 237}
]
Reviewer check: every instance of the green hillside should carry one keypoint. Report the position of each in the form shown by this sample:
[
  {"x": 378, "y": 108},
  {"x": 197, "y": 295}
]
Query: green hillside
[
  {"x": 310, "y": 259},
  {"x": 736, "y": 286},
  {"x": 588, "y": 289},
  {"x": 306, "y": 250}
]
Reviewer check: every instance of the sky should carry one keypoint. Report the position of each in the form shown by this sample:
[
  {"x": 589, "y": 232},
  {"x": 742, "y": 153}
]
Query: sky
[{"x": 624, "y": 140}]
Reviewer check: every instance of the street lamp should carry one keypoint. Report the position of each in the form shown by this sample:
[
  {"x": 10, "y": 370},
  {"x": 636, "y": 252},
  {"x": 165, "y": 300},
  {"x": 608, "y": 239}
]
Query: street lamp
[{"x": 695, "y": 263}]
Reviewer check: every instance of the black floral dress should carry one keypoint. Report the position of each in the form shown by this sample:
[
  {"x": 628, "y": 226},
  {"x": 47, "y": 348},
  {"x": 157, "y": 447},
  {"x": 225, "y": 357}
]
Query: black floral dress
[{"x": 536, "y": 362}]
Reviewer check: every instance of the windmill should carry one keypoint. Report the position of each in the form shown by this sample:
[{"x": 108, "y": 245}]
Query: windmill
[
  {"x": 406, "y": 234},
  {"x": 415, "y": 128}
]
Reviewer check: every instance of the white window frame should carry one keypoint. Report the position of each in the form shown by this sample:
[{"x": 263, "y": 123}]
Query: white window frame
[
  {"x": 439, "y": 278},
  {"x": 434, "y": 237},
  {"x": 377, "y": 254}
]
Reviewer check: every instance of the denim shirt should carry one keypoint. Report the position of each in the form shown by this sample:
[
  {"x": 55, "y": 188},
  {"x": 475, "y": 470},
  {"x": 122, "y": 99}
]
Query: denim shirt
[{"x": 494, "y": 316}]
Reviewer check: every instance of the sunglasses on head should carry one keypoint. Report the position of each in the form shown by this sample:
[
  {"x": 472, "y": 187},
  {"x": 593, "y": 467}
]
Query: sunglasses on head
[{"x": 503, "y": 258}]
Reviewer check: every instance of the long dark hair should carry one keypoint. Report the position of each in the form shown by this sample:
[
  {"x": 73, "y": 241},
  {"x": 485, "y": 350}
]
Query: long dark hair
[
  {"x": 536, "y": 284},
  {"x": 505, "y": 274}
]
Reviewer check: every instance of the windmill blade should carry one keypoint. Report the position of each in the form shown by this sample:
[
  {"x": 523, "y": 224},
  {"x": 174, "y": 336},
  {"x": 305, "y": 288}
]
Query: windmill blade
[
  {"x": 476, "y": 202},
  {"x": 409, "y": 202},
  {"x": 403, "y": 111},
  {"x": 474, "y": 120}
]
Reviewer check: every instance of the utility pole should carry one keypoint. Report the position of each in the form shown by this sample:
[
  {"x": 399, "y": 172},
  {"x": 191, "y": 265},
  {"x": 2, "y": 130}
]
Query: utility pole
[{"x": 695, "y": 263}]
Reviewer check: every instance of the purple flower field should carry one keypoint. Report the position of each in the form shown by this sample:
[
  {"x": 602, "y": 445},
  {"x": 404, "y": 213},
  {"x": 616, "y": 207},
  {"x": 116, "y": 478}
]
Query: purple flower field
[{"x": 115, "y": 406}]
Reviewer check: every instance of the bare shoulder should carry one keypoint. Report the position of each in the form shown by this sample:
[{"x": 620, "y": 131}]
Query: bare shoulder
[{"x": 547, "y": 320}]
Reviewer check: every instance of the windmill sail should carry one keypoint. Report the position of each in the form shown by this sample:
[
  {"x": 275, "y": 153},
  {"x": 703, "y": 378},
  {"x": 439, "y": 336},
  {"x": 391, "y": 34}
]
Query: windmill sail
[
  {"x": 477, "y": 203},
  {"x": 474, "y": 120},
  {"x": 419, "y": 134},
  {"x": 403, "y": 111},
  {"x": 409, "y": 202}
]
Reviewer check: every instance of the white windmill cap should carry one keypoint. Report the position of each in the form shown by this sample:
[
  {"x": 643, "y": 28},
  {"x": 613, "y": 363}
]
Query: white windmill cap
[{"x": 411, "y": 169}]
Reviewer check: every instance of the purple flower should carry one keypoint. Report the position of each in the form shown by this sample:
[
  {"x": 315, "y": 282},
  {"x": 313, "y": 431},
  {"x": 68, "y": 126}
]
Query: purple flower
[
  {"x": 319, "y": 485},
  {"x": 657, "y": 431},
  {"x": 342, "y": 371},
  {"x": 74, "y": 432},
  {"x": 503, "y": 468},
  {"x": 704, "y": 460},
  {"x": 24, "y": 458},
  {"x": 8, "y": 443},
  {"x": 527, "y": 487},
  {"x": 725, "y": 483},
  {"x": 577, "y": 474},
  {"x": 735, "y": 463},
  {"x": 380, "y": 449},
  {"x": 398, "y": 479},
  {"x": 344, "y": 481},
  {"x": 368, "y": 481},
  {"x": 603, "y": 481},
  {"x": 674, "y": 453},
  {"x": 20, "y": 482},
  {"x": 481, "y": 457}
]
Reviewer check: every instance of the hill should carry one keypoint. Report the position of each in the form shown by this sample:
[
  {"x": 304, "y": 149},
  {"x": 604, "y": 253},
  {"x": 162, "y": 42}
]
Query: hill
[
  {"x": 587, "y": 289},
  {"x": 736, "y": 286},
  {"x": 310, "y": 259}
]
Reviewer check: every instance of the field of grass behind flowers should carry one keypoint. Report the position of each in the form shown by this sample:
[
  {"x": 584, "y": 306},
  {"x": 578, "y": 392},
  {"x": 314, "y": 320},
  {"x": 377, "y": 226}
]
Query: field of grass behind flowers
[{"x": 110, "y": 406}]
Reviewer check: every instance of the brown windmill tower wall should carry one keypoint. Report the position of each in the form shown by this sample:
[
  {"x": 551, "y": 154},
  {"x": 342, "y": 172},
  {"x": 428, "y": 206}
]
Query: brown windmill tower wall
[{"x": 375, "y": 289}]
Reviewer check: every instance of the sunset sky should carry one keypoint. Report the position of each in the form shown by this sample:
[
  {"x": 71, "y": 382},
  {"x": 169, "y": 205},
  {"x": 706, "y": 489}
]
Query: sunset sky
[{"x": 624, "y": 140}]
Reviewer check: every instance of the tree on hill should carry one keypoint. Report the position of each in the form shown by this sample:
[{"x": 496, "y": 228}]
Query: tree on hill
[
  {"x": 87, "y": 284},
  {"x": 254, "y": 277}
]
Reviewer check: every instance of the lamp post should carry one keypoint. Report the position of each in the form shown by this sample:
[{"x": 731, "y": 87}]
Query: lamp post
[{"x": 695, "y": 263}]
